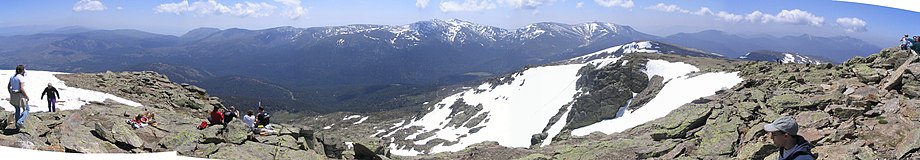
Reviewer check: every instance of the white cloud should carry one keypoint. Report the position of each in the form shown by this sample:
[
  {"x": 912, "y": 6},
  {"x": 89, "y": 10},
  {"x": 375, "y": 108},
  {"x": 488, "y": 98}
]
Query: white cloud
[
  {"x": 753, "y": 16},
  {"x": 421, "y": 3},
  {"x": 795, "y": 16},
  {"x": 527, "y": 4},
  {"x": 618, "y": 3},
  {"x": 467, "y": 5},
  {"x": 88, "y": 5},
  {"x": 292, "y": 9},
  {"x": 580, "y": 4},
  {"x": 201, "y": 7},
  {"x": 851, "y": 25},
  {"x": 119, "y": 8},
  {"x": 703, "y": 11},
  {"x": 728, "y": 17},
  {"x": 667, "y": 8}
]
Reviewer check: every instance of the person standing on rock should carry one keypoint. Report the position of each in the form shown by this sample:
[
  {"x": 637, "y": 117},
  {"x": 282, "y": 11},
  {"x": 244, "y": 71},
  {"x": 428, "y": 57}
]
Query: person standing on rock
[
  {"x": 906, "y": 42},
  {"x": 18, "y": 97},
  {"x": 784, "y": 133},
  {"x": 53, "y": 95}
]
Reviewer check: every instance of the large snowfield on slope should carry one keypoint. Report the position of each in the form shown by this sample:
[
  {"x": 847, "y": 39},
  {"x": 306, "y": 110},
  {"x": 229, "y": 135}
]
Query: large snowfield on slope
[
  {"x": 678, "y": 90},
  {"x": 71, "y": 98}
]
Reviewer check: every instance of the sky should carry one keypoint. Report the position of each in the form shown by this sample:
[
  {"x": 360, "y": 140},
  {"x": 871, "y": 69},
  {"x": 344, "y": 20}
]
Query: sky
[{"x": 875, "y": 24}]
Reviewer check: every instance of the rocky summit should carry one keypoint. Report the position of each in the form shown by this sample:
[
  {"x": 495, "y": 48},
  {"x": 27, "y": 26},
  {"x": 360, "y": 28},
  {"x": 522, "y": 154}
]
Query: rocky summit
[
  {"x": 865, "y": 108},
  {"x": 101, "y": 127}
]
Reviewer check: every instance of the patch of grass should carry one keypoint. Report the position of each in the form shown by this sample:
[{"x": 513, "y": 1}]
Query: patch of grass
[{"x": 882, "y": 120}]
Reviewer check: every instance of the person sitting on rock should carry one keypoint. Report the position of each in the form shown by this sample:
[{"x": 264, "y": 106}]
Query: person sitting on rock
[
  {"x": 784, "y": 133},
  {"x": 249, "y": 119},
  {"x": 230, "y": 114},
  {"x": 139, "y": 121},
  {"x": 263, "y": 119},
  {"x": 217, "y": 117},
  {"x": 150, "y": 118}
]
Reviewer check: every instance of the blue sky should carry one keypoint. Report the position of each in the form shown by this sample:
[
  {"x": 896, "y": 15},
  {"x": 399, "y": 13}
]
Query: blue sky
[{"x": 876, "y": 24}]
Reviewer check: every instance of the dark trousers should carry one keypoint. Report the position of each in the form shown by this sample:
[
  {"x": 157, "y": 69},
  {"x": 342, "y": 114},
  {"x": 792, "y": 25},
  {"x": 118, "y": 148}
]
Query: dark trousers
[{"x": 52, "y": 104}]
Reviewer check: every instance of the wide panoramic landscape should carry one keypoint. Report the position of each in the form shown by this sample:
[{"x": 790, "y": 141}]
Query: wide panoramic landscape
[{"x": 460, "y": 79}]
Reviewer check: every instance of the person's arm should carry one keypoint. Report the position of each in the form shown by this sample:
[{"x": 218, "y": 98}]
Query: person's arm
[
  {"x": 22, "y": 88},
  {"x": 43, "y": 94},
  {"x": 56, "y": 93},
  {"x": 9, "y": 87}
]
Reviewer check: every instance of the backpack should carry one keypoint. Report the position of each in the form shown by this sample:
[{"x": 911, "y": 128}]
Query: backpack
[{"x": 203, "y": 125}]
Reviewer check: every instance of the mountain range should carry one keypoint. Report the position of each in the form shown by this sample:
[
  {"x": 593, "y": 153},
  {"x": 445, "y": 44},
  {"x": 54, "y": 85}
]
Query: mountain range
[{"x": 353, "y": 59}]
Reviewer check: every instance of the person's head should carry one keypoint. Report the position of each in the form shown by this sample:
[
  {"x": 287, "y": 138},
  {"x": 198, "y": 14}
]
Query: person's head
[
  {"x": 216, "y": 109},
  {"x": 20, "y": 69},
  {"x": 138, "y": 117},
  {"x": 249, "y": 112},
  {"x": 261, "y": 109},
  {"x": 49, "y": 85},
  {"x": 232, "y": 108},
  {"x": 783, "y": 131}
]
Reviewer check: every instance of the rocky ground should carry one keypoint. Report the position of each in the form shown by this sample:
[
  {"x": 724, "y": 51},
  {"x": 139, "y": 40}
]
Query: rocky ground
[
  {"x": 844, "y": 110},
  {"x": 101, "y": 127},
  {"x": 865, "y": 108}
]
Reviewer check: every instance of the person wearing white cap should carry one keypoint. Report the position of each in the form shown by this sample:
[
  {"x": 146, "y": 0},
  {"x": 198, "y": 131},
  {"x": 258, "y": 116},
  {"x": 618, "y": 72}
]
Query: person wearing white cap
[
  {"x": 785, "y": 134},
  {"x": 53, "y": 95}
]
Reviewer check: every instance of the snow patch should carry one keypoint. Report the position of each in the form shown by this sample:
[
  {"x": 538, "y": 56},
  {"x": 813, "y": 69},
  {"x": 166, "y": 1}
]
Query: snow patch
[
  {"x": 361, "y": 120},
  {"x": 512, "y": 120},
  {"x": 674, "y": 94},
  {"x": 71, "y": 97},
  {"x": 351, "y": 117}
]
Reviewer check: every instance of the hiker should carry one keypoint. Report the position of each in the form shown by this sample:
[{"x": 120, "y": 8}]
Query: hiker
[
  {"x": 217, "y": 117},
  {"x": 18, "y": 97},
  {"x": 906, "y": 42},
  {"x": 139, "y": 121},
  {"x": 230, "y": 114},
  {"x": 53, "y": 95},
  {"x": 784, "y": 132},
  {"x": 262, "y": 119},
  {"x": 249, "y": 119},
  {"x": 916, "y": 44},
  {"x": 142, "y": 120}
]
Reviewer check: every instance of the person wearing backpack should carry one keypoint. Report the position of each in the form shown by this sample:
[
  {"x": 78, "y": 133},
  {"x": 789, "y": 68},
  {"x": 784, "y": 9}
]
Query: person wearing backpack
[
  {"x": 53, "y": 95},
  {"x": 784, "y": 133}
]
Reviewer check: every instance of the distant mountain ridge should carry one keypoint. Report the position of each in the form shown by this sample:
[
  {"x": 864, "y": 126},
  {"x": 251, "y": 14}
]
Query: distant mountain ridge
[
  {"x": 425, "y": 53},
  {"x": 837, "y": 49}
]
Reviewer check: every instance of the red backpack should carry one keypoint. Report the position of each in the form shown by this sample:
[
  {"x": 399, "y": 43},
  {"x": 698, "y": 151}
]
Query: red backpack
[{"x": 203, "y": 125}]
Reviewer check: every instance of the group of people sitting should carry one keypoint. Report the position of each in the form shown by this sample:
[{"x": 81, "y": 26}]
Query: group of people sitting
[
  {"x": 258, "y": 123},
  {"x": 910, "y": 43},
  {"x": 143, "y": 120}
]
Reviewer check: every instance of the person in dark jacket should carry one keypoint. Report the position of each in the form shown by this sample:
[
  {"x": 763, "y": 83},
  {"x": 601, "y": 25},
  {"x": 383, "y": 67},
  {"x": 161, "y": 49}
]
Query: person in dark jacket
[
  {"x": 263, "y": 119},
  {"x": 231, "y": 113},
  {"x": 53, "y": 95},
  {"x": 784, "y": 133}
]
